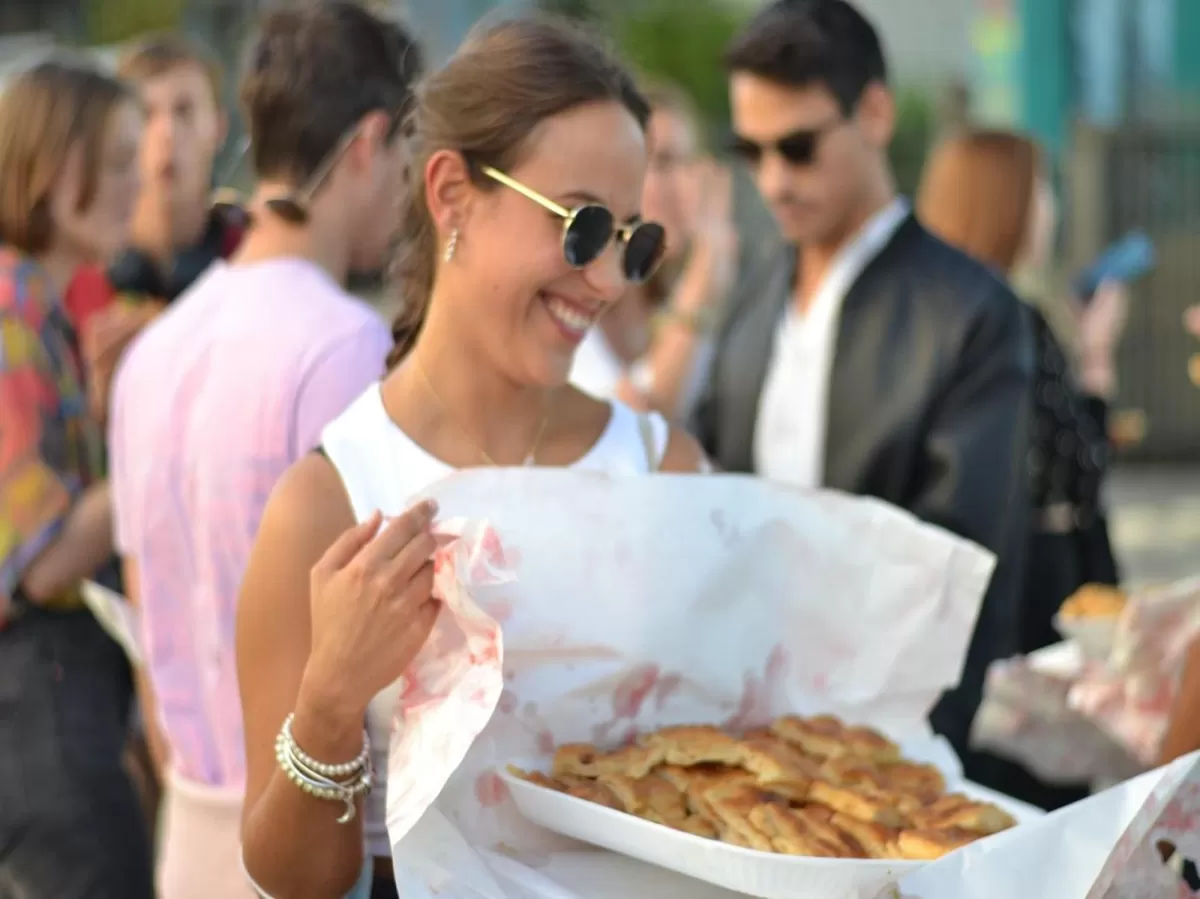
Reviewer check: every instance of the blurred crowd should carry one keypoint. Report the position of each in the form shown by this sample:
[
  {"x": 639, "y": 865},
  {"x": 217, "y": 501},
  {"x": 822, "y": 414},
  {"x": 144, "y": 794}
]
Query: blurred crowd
[{"x": 197, "y": 414}]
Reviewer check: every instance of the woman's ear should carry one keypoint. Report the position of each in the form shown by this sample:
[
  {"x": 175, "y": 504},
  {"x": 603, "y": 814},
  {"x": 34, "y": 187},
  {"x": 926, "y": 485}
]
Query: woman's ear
[{"x": 448, "y": 189}]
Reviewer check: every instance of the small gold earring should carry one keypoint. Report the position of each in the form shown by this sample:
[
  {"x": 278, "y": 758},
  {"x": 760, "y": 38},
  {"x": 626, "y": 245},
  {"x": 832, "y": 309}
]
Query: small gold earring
[{"x": 451, "y": 246}]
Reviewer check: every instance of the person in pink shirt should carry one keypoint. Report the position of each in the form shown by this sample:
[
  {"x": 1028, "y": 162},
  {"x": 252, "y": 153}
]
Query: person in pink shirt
[{"x": 234, "y": 382}]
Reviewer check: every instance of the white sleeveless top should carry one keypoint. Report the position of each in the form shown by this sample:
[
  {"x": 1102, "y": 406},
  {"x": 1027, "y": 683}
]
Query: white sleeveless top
[{"x": 382, "y": 468}]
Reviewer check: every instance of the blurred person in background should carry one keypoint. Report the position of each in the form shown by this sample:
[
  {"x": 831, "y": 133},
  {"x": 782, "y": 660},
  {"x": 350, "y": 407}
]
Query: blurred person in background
[
  {"x": 866, "y": 355},
  {"x": 178, "y": 232},
  {"x": 234, "y": 382},
  {"x": 989, "y": 194},
  {"x": 653, "y": 348},
  {"x": 527, "y": 121},
  {"x": 70, "y": 823}
]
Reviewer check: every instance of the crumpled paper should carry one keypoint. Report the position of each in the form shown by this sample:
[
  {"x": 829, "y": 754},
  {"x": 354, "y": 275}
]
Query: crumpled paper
[
  {"x": 1069, "y": 719},
  {"x": 632, "y": 603},
  {"x": 451, "y": 689},
  {"x": 1131, "y": 697},
  {"x": 1027, "y": 716}
]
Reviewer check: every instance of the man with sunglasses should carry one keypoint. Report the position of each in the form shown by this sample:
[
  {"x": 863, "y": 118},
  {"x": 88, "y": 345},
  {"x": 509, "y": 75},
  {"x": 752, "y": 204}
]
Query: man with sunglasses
[
  {"x": 866, "y": 355},
  {"x": 234, "y": 381}
]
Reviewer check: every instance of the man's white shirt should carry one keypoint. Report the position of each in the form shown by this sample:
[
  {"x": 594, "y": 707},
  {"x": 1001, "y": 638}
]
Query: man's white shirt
[{"x": 789, "y": 438}]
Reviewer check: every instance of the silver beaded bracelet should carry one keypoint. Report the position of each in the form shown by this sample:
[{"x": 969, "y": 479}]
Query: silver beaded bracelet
[
  {"x": 342, "y": 770},
  {"x": 344, "y": 782}
]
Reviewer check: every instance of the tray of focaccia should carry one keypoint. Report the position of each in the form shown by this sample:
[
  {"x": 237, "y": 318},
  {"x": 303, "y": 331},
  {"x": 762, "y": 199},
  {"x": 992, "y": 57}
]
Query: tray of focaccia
[{"x": 805, "y": 807}]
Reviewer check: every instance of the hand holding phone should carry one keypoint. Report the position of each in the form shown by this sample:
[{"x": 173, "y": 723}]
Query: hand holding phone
[{"x": 1125, "y": 261}]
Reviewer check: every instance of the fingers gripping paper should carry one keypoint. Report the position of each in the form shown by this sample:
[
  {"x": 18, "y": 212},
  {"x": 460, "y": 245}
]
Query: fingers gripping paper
[
  {"x": 629, "y": 604},
  {"x": 453, "y": 685}
]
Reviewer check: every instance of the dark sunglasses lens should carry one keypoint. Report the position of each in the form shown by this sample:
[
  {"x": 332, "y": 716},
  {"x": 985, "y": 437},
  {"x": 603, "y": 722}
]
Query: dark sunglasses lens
[
  {"x": 588, "y": 234},
  {"x": 745, "y": 150},
  {"x": 799, "y": 149},
  {"x": 644, "y": 251}
]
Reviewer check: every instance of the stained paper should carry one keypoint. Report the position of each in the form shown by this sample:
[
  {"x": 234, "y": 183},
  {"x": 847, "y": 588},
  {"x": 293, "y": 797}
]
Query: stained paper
[{"x": 582, "y": 607}]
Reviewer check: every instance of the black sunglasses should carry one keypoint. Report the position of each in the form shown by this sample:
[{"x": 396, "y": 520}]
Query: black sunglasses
[
  {"x": 797, "y": 148},
  {"x": 588, "y": 230}
]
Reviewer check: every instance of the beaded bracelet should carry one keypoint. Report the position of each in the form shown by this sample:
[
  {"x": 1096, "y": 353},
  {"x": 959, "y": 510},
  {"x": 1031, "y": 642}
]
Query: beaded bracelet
[
  {"x": 344, "y": 782},
  {"x": 341, "y": 770}
]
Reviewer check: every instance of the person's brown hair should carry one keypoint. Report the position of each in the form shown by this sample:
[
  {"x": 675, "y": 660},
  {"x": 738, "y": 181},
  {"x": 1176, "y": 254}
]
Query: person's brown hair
[
  {"x": 312, "y": 73},
  {"x": 45, "y": 114},
  {"x": 158, "y": 54},
  {"x": 977, "y": 192},
  {"x": 486, "y": 103}
]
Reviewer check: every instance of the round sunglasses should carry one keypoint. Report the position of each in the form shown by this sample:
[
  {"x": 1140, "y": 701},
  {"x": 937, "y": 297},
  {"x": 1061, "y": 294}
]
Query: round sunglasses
[{"x": 588, "y": 230}]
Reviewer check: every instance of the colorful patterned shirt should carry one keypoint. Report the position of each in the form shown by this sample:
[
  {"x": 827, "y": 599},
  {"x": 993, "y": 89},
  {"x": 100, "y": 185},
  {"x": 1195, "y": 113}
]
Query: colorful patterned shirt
[{"x": 50, "y": 449}]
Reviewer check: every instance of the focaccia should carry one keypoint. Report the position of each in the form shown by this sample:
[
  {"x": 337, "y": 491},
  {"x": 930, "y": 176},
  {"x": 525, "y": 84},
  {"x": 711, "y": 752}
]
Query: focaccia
[
  {"x": 585, "y": 760},
  {"x": 868, "y": 743},
  {"x": 648, "y": 797},
  {"x": 923, "y": 781},
  {"x": 927, "y": 845},
  {"x": 778, "y": 767},
  {"x": 955, "y": 811},
  {"x": 694, "y": 745},
  {"x": 792, "y": 834},
  {"x": 731, "y": 806},
  {"x": 858, "y": 802},
  {"x": 579, "y": 787},
  {"x": 877, "y": 841},
  {"x": 820, "y": 736}
]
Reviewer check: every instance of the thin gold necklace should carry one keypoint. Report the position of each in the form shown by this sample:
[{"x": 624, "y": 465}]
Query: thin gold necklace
[{"x": 537, "y": 440}]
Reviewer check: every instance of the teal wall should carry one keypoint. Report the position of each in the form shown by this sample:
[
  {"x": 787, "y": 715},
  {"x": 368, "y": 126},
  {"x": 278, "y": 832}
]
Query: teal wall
[
  {"x": 1044, "y": 70},
  {"x": 1187, "y": 44}
]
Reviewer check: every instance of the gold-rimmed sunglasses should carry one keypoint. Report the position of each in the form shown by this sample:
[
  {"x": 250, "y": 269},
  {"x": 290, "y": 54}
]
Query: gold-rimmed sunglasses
[{"x": 588, "y": 230}]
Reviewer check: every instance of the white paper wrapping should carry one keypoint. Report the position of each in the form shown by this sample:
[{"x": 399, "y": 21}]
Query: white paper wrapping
[
  {"x": 1058, "y": 857},
  {"x": 1096, "y": 707},
  {"x": 636, "y": 603}
]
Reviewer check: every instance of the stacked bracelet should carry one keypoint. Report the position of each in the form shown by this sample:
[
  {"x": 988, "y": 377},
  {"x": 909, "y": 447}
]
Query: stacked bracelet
[{"x": 344, "y": 782}]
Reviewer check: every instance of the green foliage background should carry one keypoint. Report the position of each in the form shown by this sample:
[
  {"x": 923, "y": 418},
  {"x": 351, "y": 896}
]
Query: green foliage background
[{"x": 114, "y": 21}]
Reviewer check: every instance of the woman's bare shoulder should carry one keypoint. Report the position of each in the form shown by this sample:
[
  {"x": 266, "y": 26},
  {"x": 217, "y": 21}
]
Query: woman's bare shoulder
[{"x": 308, "y": 508}]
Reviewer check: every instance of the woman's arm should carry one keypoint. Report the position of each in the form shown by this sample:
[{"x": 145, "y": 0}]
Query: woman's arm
[
  {"x": 682, "y": 347},
  {"x": 1183, "y": 726},
  {"x": 292, "y": 843},
  {"x": 668, "y": 378},
  {"x": 330, "y": 613},
  {"x": 82, "y": 546}
]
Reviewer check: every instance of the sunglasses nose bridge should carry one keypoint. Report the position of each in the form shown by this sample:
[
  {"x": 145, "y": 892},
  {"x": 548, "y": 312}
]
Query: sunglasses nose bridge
[{"x": 605, "y": 273}]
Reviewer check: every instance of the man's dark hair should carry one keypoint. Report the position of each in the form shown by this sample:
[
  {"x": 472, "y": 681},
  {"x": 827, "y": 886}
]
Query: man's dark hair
[
  {"x": 800, "y": 43},
  {"x": 312, "y": 73}
]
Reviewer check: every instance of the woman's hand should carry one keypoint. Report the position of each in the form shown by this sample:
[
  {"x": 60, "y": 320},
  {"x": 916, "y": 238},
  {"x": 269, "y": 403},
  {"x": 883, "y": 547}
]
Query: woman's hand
[
  {"x": 1101, "y": 324},
  {"x": 371, "y": 607},
  {"x": 714, "y": 237}
]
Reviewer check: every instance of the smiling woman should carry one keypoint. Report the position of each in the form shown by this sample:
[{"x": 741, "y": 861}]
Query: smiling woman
[{"x": 522, "y": 227}]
